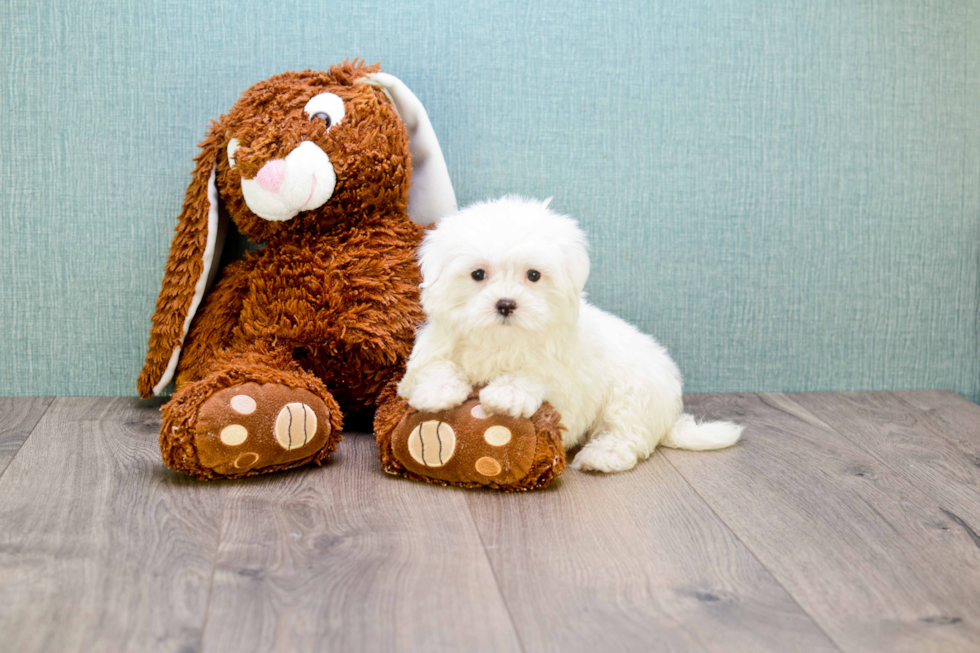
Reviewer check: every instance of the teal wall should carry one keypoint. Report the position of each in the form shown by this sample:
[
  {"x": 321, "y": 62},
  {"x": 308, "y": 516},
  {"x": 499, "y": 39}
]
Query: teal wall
[{"x": 786, "y": 194}]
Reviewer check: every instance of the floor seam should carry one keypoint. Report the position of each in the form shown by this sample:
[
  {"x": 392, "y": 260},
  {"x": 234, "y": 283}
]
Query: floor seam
[
  {"x": 33, "y": 428},
  {"x": 493, "y": 572},
  {"x": 214, "y": 566}
]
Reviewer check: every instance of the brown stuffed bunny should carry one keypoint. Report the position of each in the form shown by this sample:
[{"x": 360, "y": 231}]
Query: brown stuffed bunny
[
  {"x": 317, "y": 166},
  {"x": 326, "y": 170}
]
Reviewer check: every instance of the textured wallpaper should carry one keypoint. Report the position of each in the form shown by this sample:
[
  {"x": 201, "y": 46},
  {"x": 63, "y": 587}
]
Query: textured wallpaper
[{"x": 787, "y": 195}]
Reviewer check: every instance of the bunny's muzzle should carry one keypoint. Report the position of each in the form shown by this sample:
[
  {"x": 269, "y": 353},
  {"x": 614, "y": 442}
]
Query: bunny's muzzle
[{"x": 302, "y": 181}]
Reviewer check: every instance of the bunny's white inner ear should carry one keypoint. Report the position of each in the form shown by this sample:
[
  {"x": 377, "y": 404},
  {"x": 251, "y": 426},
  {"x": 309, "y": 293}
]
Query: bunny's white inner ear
[
  {"x": 431, "y": 196},
  {"x": 217, "y": 229}
]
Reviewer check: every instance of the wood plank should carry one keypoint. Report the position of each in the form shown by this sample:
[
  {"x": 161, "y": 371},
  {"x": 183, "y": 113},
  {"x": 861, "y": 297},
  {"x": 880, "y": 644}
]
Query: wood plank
[
  {"x": 957, "y": 418},
  {"x": 926, "y": 447},
  {"x": 874, "y": 560},
  {"x": 349, "y": 559},
  {"x": 18, "y": 416},
  {"x": 633, "y": 562},
  {"x": 102, "y": 547}
]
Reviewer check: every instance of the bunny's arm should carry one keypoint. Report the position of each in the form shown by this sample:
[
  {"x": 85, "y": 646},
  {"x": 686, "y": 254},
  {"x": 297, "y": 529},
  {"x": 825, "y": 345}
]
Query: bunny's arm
[{"x": 213, "y": 326}]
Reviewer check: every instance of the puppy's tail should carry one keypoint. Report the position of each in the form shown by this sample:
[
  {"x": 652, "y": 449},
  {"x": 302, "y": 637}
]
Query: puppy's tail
[{"x": 688, "y": 434}]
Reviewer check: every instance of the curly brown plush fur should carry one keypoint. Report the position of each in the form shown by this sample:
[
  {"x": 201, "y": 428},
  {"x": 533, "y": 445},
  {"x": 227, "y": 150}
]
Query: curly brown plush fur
[{"x": 326, "y": 310}]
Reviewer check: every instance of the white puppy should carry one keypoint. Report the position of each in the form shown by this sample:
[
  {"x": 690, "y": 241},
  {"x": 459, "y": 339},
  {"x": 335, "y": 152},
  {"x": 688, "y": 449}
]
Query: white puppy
[{"x": 503, "y": 294}]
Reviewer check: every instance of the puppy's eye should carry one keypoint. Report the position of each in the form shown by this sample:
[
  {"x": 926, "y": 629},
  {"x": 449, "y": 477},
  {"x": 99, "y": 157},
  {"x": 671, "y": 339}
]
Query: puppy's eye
[
  {"x": 478, "y": 275},
  {"x": 533, "y": 275},
  {"x": 324, "y": 117}
]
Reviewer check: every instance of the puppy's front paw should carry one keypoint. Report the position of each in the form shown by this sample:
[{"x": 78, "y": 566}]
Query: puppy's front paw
[
  {"x": 435, "y": 395},
  {"x": 508, "y": 399},
  {"x": 605, "y": 457}
]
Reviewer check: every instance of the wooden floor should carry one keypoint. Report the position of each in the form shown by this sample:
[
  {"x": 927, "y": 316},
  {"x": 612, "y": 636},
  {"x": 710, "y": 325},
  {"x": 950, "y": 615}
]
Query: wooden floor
[{"x": 841, "y": 522}]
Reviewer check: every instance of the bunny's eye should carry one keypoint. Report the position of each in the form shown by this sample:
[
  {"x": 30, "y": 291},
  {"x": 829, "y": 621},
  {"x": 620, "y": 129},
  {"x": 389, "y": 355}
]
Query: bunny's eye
[{"x": 326, "y": 107}]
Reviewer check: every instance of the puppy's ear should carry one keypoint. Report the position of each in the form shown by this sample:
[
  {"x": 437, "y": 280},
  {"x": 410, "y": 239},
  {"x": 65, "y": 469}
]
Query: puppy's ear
[
  {"x": 433, "y": 259},
  {"x": 431, "y": 195},
  {"x": 194, "y": 255},
  {"x": 577, "y": 264}
]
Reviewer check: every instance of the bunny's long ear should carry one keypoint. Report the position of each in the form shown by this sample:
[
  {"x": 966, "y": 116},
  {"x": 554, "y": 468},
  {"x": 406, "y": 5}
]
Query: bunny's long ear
[
  {"x": 431, "y": 196},
  {"x": 194, "y": 255}
]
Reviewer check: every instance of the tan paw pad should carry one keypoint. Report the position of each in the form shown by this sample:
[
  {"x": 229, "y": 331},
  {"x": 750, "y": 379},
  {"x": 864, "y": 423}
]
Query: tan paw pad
[
  {"x": 233, "y": 435},
  {"x": 295, "y": 425},
  {"x": 243, "y": 404},
  {"x": 488, "y": 466},
  {"x": 246, "y": 460},
  {"x": 432, "y": 443},
  {"x": 497, "y": 436}
]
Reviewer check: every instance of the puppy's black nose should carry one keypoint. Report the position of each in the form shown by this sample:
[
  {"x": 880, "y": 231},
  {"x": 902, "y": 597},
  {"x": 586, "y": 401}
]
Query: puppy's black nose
[{"x": 506, "y": 306}]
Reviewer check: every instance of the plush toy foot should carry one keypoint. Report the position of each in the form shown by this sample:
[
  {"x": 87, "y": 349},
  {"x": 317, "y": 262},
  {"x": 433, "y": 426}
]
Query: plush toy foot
[
  {"x": 247, "y": 429},
  {"x": 466, "y": 447}
]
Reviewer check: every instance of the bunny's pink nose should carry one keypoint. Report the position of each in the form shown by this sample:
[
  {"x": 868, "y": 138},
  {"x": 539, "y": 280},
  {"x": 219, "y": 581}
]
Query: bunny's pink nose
[{"x": 271, "y": 175}]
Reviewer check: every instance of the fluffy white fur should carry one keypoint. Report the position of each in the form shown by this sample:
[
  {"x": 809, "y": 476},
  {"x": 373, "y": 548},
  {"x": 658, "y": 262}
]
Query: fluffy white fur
[{"x": 614, "y": 386}]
